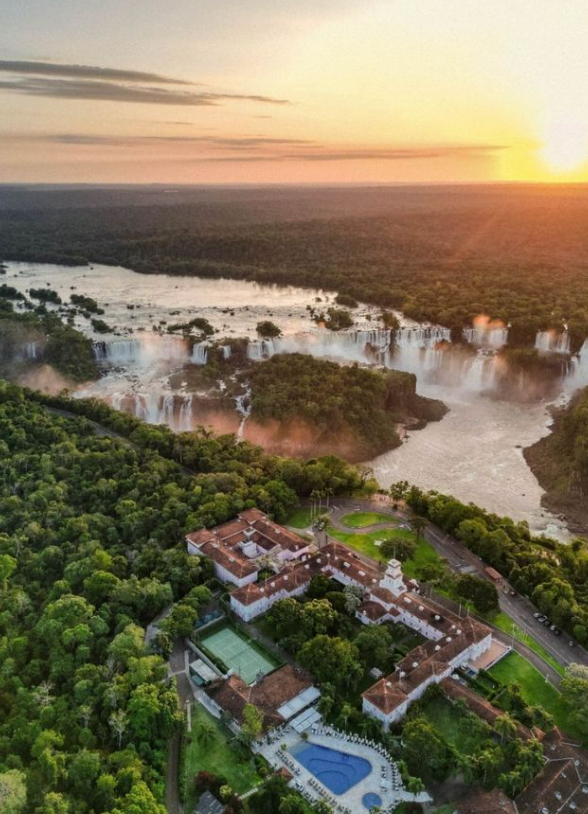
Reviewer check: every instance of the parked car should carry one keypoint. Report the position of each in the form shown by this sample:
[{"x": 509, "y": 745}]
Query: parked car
[
  {"x": 547, "y": 622},
  {"x": 555, "y": 629},
  {"x": 536, "y": 615},
  {"x": 541, "y": 619},
  {"x": 571, "y": 644}
]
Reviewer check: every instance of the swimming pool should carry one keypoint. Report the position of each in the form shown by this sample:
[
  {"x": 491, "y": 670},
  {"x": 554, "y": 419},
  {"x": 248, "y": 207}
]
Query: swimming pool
[
  {"x": 371, "y": 800},
  {"x": 336, "y": 770}
]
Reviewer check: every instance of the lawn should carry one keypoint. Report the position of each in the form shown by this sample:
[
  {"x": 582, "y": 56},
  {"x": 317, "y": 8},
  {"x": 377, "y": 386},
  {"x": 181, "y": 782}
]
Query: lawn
[
  {"x": 300, "y": 518},
  {"x": 359, "y": 520},
  {"x": 366, "y": 543},
  {"x": 217, "y": 756},
  {"x": 535, "y": 689},
  {"x": 456, "y": 728},
  {"x": 504, "y": 622}
]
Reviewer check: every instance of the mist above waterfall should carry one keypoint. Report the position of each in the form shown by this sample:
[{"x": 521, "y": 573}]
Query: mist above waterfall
[{"x": 164, "y": 378}]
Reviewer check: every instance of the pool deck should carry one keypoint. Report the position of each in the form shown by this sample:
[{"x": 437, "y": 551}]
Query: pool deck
[{"x": 351, "y": 800}]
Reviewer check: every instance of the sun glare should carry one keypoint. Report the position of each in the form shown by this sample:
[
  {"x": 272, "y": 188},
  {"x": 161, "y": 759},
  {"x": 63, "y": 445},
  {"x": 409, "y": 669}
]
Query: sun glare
[{"x": 566, "y": 147}]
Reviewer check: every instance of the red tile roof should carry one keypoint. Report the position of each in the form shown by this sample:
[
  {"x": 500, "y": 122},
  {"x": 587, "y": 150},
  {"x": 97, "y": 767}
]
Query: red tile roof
[
  {"x": 222, "y": 544},
  {"x": 477, "y": 801},
  {"x": 268, "y": 695}
]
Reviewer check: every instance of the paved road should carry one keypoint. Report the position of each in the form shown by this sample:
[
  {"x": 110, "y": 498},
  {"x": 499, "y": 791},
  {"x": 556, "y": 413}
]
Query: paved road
[
  {"x": 459, "y": 559},
  {"x": 177, "y": 665}
]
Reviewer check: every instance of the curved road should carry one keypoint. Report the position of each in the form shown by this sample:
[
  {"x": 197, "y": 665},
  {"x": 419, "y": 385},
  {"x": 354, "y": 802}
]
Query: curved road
[{"x": 461, "y": 559}]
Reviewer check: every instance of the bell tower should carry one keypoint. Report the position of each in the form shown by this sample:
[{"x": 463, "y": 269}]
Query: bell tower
[{"x": 393, "y": 579}]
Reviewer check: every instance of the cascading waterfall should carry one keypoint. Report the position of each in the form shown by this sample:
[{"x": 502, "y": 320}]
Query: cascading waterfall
[
  {"x": 352, "y": 346},
  {"x": 486, "y": 336},
  {"x": 421, "y": 336},
  {"x": 31, "y": 350},
  {"x": 199, "y": 353},
  {"x": 185, "y": 418},
  {"x": 578, "y": 375},
  {"x": 226, "y": 351},
  {"x": 552, "y": 342},
  {"x": 243, "y": 407},
  {"x": 173, "y": 409},
  {"x": 143, "y": 351}
]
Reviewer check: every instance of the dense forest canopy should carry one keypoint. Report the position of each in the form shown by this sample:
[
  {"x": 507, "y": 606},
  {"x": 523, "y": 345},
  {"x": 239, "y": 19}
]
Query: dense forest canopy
[
  {"x": 345, "y": 405},
  {"x": 67, "y": 349},
  {"x": 91, "y": 549},
  {"x": 442, "y": 254},
  {"x": 553, "y": 575},
  {"x": 560, "y": 461}
]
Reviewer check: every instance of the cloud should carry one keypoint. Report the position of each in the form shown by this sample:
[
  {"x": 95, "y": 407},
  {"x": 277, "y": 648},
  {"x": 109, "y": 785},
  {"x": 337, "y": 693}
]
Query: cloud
[
  {"x": 370, "y": 154},
  {"x": 111, "y": 92},
  {"x": 90, "y": 83},
  {"x": 257, "y": 148},
  {"x": 28, "y": 67},
  {"x": 96, "y": 139}
]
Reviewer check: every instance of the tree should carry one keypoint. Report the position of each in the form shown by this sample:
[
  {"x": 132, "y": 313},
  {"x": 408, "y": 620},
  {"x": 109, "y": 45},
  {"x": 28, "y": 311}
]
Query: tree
[
  {"x": 425, "y": 749},
  {"x": 292, "y": 804},
  {"x": 13, "y": 792},
  {"x": 7, "y": 566},
  {"x": 268, "y": 330},
  {"x": 332, "y": 660},
  {"x": 252, "y": 725},
  {"x": 353, "y": 598},
  {"x": 418, "y": 525},
  {"x": 480, "y": 592},
  {"x": 574, "y": 688},
  {"x": 398, "y": 548},
  {"x": 399, "y": 490},
  {"x": 375, "y": 646},
  {"x": 118, "y": 723},
  {"x": 205, "y": 733},
  {"x": 505, "y": 726}
]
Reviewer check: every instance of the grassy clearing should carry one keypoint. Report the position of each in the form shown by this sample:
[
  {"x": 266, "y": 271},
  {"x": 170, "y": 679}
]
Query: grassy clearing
[
  {"x": 299, "y": 518},
  {"x": 359, "y": 520},
  {"x": 504, "y": 622},
  {"x": 535, "y": 689},
  {"x": 456, "y": 728},
  {"x": 366, "y": 543},
  {"x": 218, "y": 756}
]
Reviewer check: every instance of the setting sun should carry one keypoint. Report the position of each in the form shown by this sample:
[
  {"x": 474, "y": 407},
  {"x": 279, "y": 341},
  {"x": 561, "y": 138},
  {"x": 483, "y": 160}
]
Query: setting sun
[{"x": 566, "y": 147}]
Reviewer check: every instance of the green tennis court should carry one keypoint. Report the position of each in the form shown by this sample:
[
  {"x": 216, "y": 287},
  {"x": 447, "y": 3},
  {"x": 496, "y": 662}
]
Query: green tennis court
[{"x": 238, "y": 654}]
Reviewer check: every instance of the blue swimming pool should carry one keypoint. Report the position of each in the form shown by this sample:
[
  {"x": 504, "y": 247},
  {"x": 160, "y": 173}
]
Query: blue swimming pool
[
  {"x": 336, "y": 770},
  {"x": 371, "y": 800}
]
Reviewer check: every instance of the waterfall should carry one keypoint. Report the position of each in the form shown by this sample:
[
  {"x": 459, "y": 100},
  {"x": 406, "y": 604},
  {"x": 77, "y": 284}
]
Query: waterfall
[
  {"x": 486, "y": 336},
  {"x": 578, "y": 376},
  {"x": 143, "y": 351},
  {"x": 422, "y": 336},
  {"x": 364, "y": 345},
  {"x": 552, "y": 342},
  {"x": 173, "y": 409},
  {"x": 185, "y": 419},
  {"x": 31, "y": 350},
  {"x": 226, "y": 351},
  {"x": 199, "y": 353},
  {"x": 243, "y": 407}
]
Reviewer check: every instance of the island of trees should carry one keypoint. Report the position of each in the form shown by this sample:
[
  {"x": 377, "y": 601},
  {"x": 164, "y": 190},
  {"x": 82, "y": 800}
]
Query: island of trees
[{"x": 312, "y": 404}]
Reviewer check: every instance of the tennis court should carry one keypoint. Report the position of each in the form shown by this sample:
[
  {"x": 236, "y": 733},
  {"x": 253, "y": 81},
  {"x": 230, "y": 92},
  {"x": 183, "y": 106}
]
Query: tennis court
[{"x": 237, "y": 653}]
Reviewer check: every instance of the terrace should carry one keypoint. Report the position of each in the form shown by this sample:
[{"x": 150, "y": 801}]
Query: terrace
[{"x": 350, "y": 773}]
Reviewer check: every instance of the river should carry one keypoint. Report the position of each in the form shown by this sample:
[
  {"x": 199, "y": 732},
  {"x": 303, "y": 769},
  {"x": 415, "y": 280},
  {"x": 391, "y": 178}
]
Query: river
[{"x": 474, "y": 453}]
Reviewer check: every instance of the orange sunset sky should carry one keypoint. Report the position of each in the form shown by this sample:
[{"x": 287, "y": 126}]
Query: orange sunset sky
[{"x": 293, "y": 91}]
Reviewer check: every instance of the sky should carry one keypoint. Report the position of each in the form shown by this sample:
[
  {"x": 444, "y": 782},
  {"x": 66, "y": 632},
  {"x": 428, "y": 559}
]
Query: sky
[{"x": 293, "y": 91}]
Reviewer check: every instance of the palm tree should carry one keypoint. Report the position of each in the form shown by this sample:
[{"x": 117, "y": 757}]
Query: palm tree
[
  {"x": 505, "y": 726},
  {"x": 206, "y": 733},
  {"x": 418, "y": 525},
  {"x": 345, "y": 714}
]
